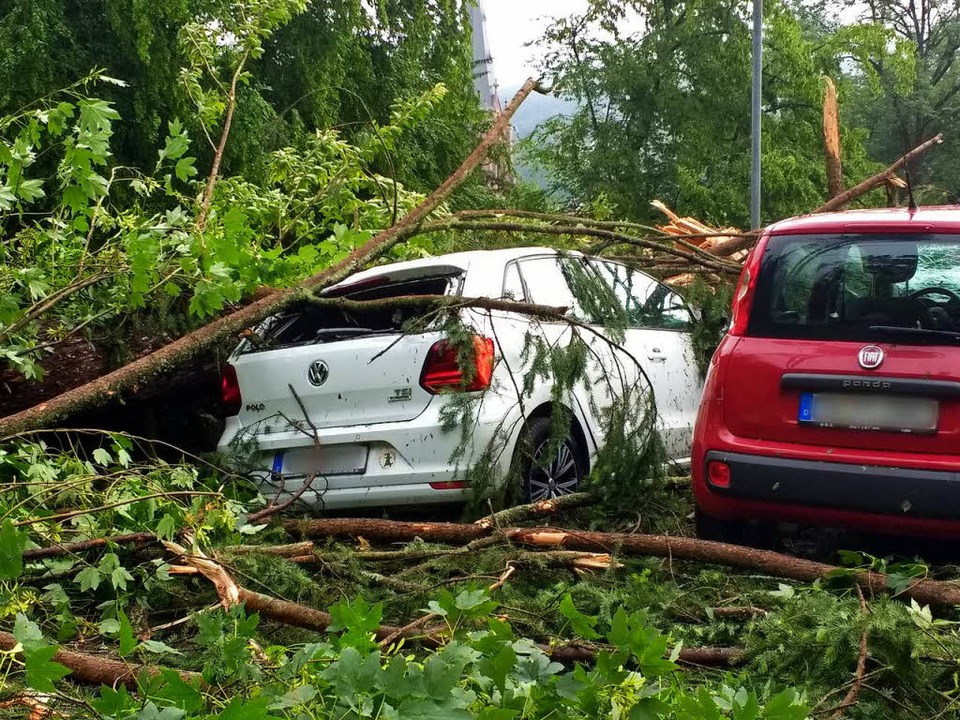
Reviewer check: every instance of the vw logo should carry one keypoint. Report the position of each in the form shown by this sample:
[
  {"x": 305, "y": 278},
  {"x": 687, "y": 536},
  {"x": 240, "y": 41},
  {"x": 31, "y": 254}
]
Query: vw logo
[
  {"x": 318, "y": 373},
  {"x": 871, "y": 357}
]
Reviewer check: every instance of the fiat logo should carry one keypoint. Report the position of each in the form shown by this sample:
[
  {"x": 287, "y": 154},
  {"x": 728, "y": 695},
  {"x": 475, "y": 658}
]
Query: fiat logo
[
  {"x": 871, "y": 357},
  {"x": 318, "y": 373}
]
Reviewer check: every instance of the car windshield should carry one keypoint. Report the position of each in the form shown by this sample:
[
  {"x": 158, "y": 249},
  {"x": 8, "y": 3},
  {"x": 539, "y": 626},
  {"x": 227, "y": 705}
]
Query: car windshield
[{"x": 860, "y": 287}]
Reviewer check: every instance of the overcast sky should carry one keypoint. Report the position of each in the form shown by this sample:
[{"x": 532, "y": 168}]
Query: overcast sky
[{"x": 513, "y": 23}]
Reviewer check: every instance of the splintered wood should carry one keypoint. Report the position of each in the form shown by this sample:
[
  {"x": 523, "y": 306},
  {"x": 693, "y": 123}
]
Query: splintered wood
[{"x": 715, "y": 241}]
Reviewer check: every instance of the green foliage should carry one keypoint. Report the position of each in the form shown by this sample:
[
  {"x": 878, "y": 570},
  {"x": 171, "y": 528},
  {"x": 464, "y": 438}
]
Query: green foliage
[
  {"x": 79, "y": 254},
  {"x": 664, "y": 111}
]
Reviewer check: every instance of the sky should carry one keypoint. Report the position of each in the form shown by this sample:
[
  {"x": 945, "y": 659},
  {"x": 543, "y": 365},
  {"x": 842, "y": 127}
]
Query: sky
[{"x": 513, "y": 23}]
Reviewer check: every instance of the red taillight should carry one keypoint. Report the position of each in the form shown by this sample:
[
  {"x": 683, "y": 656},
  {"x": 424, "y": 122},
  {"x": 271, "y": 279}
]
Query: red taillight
[
  {"x": 230, "y": 391},
  {"x": 718, "y": 473},
  {"x": 449, "y": 485},
  {"x": 743, "y": 298},
  {"x": 442, "y": 372}
]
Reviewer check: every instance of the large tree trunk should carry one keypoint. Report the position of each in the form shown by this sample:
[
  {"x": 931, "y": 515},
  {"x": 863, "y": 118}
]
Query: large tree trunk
[
  {"x": 678, "y": 548},
  {"x": 168, "y": 357},
  {"x": 831, "y": 139}
]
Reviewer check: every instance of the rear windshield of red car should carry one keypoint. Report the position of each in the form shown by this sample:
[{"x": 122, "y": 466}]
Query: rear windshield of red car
[{"x": 859, "y": 287}]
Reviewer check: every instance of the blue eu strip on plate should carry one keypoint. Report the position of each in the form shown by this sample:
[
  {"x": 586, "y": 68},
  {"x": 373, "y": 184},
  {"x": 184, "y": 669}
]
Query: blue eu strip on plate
[
  {"x": 805, "y": 414},
  {"x": 278, "y": 463}
]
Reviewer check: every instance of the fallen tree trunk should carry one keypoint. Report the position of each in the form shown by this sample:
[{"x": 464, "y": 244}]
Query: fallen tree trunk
[
  {"x": 835, "y": 203},
  {"x": 139, "y": 538},
  {"x": 933, "y": 592},
  {"x": 168, "y": 357},
  {"x": 97, "y": 670}
]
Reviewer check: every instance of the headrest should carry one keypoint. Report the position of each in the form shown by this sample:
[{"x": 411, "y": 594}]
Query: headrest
[{"x": 889, "y": 261}]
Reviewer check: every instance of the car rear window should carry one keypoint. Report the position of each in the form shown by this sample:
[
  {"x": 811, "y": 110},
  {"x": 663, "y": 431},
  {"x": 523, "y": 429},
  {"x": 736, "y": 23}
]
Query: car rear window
[
  {"x": 859, "y": 287},
  {"x": 307, "y": 323}
]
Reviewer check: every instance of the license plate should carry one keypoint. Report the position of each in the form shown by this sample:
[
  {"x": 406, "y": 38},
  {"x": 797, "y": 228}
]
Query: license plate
[
  {"x": 878, "y": 413},
  {"x": 328, "y": 460}
]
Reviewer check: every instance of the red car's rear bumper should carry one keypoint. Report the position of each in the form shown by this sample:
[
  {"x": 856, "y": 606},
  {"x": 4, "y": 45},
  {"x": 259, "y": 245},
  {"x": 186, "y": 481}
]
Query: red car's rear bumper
[{"x": 882, "y": 492}]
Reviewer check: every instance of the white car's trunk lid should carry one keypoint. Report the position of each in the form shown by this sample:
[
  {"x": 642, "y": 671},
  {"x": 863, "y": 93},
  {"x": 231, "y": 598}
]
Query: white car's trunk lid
[{"x": 328, "y": 367}]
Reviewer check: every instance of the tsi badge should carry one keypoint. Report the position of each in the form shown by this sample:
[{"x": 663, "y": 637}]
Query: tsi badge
[
  {"x": 871, "y": 357},
  {"x": 318, "y": 373}
]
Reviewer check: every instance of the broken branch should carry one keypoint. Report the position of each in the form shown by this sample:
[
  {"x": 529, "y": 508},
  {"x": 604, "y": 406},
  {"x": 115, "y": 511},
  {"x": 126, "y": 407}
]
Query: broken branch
[{"x": 877, "y": 180}]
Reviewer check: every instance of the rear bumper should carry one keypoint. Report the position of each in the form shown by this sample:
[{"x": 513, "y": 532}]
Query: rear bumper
[
  {"x": 885, "y": 490},
  {"x": 876, "y": 499}
]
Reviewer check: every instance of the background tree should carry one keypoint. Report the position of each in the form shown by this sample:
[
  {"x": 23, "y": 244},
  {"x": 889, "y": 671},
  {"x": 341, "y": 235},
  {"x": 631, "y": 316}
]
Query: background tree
[
  {"x": 664, "y": 111},
  {"x": 903, "y": 116}
]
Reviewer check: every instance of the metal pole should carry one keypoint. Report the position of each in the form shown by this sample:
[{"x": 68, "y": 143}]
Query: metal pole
[{"x": 755, "y": 113}]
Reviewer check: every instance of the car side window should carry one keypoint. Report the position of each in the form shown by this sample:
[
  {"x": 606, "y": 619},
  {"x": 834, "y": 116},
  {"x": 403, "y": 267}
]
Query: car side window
[
  {"x": 548, "y": 283},
  {"x": 513, "y": 284},
  {"x": 648, "y": 303}
]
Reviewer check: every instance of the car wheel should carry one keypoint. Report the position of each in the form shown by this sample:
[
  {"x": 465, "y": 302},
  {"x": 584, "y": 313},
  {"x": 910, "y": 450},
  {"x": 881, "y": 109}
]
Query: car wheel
[
  {"x": 547, "y": 470},
  {"x": 719, "y": 530}
]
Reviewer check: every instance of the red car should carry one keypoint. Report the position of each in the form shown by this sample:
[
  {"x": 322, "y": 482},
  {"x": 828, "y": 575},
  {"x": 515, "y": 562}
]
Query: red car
[{"x": 834, "y": 398}]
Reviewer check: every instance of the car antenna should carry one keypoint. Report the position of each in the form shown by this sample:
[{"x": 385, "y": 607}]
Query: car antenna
[{"x": 911, "y": 201}]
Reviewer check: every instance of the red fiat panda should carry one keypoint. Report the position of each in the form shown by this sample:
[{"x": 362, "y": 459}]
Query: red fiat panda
[{"x": 834, "y": 399}]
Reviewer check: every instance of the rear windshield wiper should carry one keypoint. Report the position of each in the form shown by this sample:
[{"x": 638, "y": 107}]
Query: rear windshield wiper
[{"x": 918, "y": 333}]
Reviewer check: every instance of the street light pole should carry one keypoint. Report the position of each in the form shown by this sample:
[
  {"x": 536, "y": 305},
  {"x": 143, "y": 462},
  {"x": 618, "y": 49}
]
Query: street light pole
[{"x": 755, "y": 113}]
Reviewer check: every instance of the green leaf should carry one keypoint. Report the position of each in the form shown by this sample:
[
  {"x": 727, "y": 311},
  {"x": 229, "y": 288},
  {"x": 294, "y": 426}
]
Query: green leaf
[
  {"x": 26, "y": 632},
  {"x": 185, "y": 168},
  {"x": 127, "y": 640},
  {"x": 30, "y": 189},
  {"x": 102, "y": 456},
  {"x": 582, "y": 625},
  {"x": 12, "y": 542},
  {"x": 88, "y": 579},
  {"x": 238, "y": 709},
  {"x": 40, "y": 672}
]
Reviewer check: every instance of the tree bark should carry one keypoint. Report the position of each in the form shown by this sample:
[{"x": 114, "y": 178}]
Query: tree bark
[
  {"x": 877, "y": 180},
  {"x": 831, "y": 139},
  {"x": 933, "y": 592},
  {"x": 98, "y": 670},
  {"x": 101, "y": 390}
]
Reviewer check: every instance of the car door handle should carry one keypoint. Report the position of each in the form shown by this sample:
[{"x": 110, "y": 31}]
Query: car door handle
[{"x": 656, "y": 355}]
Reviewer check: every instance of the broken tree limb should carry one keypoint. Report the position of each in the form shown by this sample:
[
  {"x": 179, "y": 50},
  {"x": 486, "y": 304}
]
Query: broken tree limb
[
  {"x": 877, "y": 180},
  {"x": 544, "y": 312},
  {"x": 831, "y": 139},
  {"x": 703, "y": 656},
  {"x": 520, "y": 513},
  {"x": 931, "y": 592},
  {"x": 101, "y": 390},
  {"x": 72, "y": 548},
  {"x": 99, "y": 670},
  {"x": 853, "y": 694},
  {"x": 696, "y": 257}
]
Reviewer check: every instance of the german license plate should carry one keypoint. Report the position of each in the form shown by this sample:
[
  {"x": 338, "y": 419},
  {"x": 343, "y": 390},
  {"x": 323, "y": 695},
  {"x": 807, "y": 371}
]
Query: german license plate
[
  {"x": 328, "y": 460},
  {"x": 878, "y": 413}
]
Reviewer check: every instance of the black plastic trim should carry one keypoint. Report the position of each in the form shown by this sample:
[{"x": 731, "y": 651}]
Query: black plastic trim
[
  {"x": 870, "y": 383},
  {"x": 886, "y": 490}
]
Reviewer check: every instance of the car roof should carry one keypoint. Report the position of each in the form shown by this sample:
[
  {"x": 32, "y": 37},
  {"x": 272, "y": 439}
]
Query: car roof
[
  {"x": 459, "y": 260},
  {"x": 941, "y": 218}
]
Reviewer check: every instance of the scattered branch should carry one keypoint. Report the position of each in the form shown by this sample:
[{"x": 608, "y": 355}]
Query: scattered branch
[{"x": 932, "y": 592}]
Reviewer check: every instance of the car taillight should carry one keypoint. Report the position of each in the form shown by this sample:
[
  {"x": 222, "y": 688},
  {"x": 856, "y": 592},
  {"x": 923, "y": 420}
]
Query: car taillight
[
  {"x": 718, "y": 473},
  {"x": 230, "y": 391},
  {"x": 442, "y": 372},
  {"x": 743, "y": 297}
]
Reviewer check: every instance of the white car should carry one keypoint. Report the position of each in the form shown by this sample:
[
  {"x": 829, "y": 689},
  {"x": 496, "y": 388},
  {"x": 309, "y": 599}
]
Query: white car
[{"x": 351, "y": 402}]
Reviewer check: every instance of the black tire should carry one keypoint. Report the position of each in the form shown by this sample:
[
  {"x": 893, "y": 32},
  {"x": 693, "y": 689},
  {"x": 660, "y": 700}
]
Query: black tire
[
  {"x": 719, "y": 530},
  {"x": 541, "y": 477}
]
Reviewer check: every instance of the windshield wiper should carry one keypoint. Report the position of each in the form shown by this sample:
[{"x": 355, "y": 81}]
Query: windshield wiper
[{"x": 918, "y": 333}]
